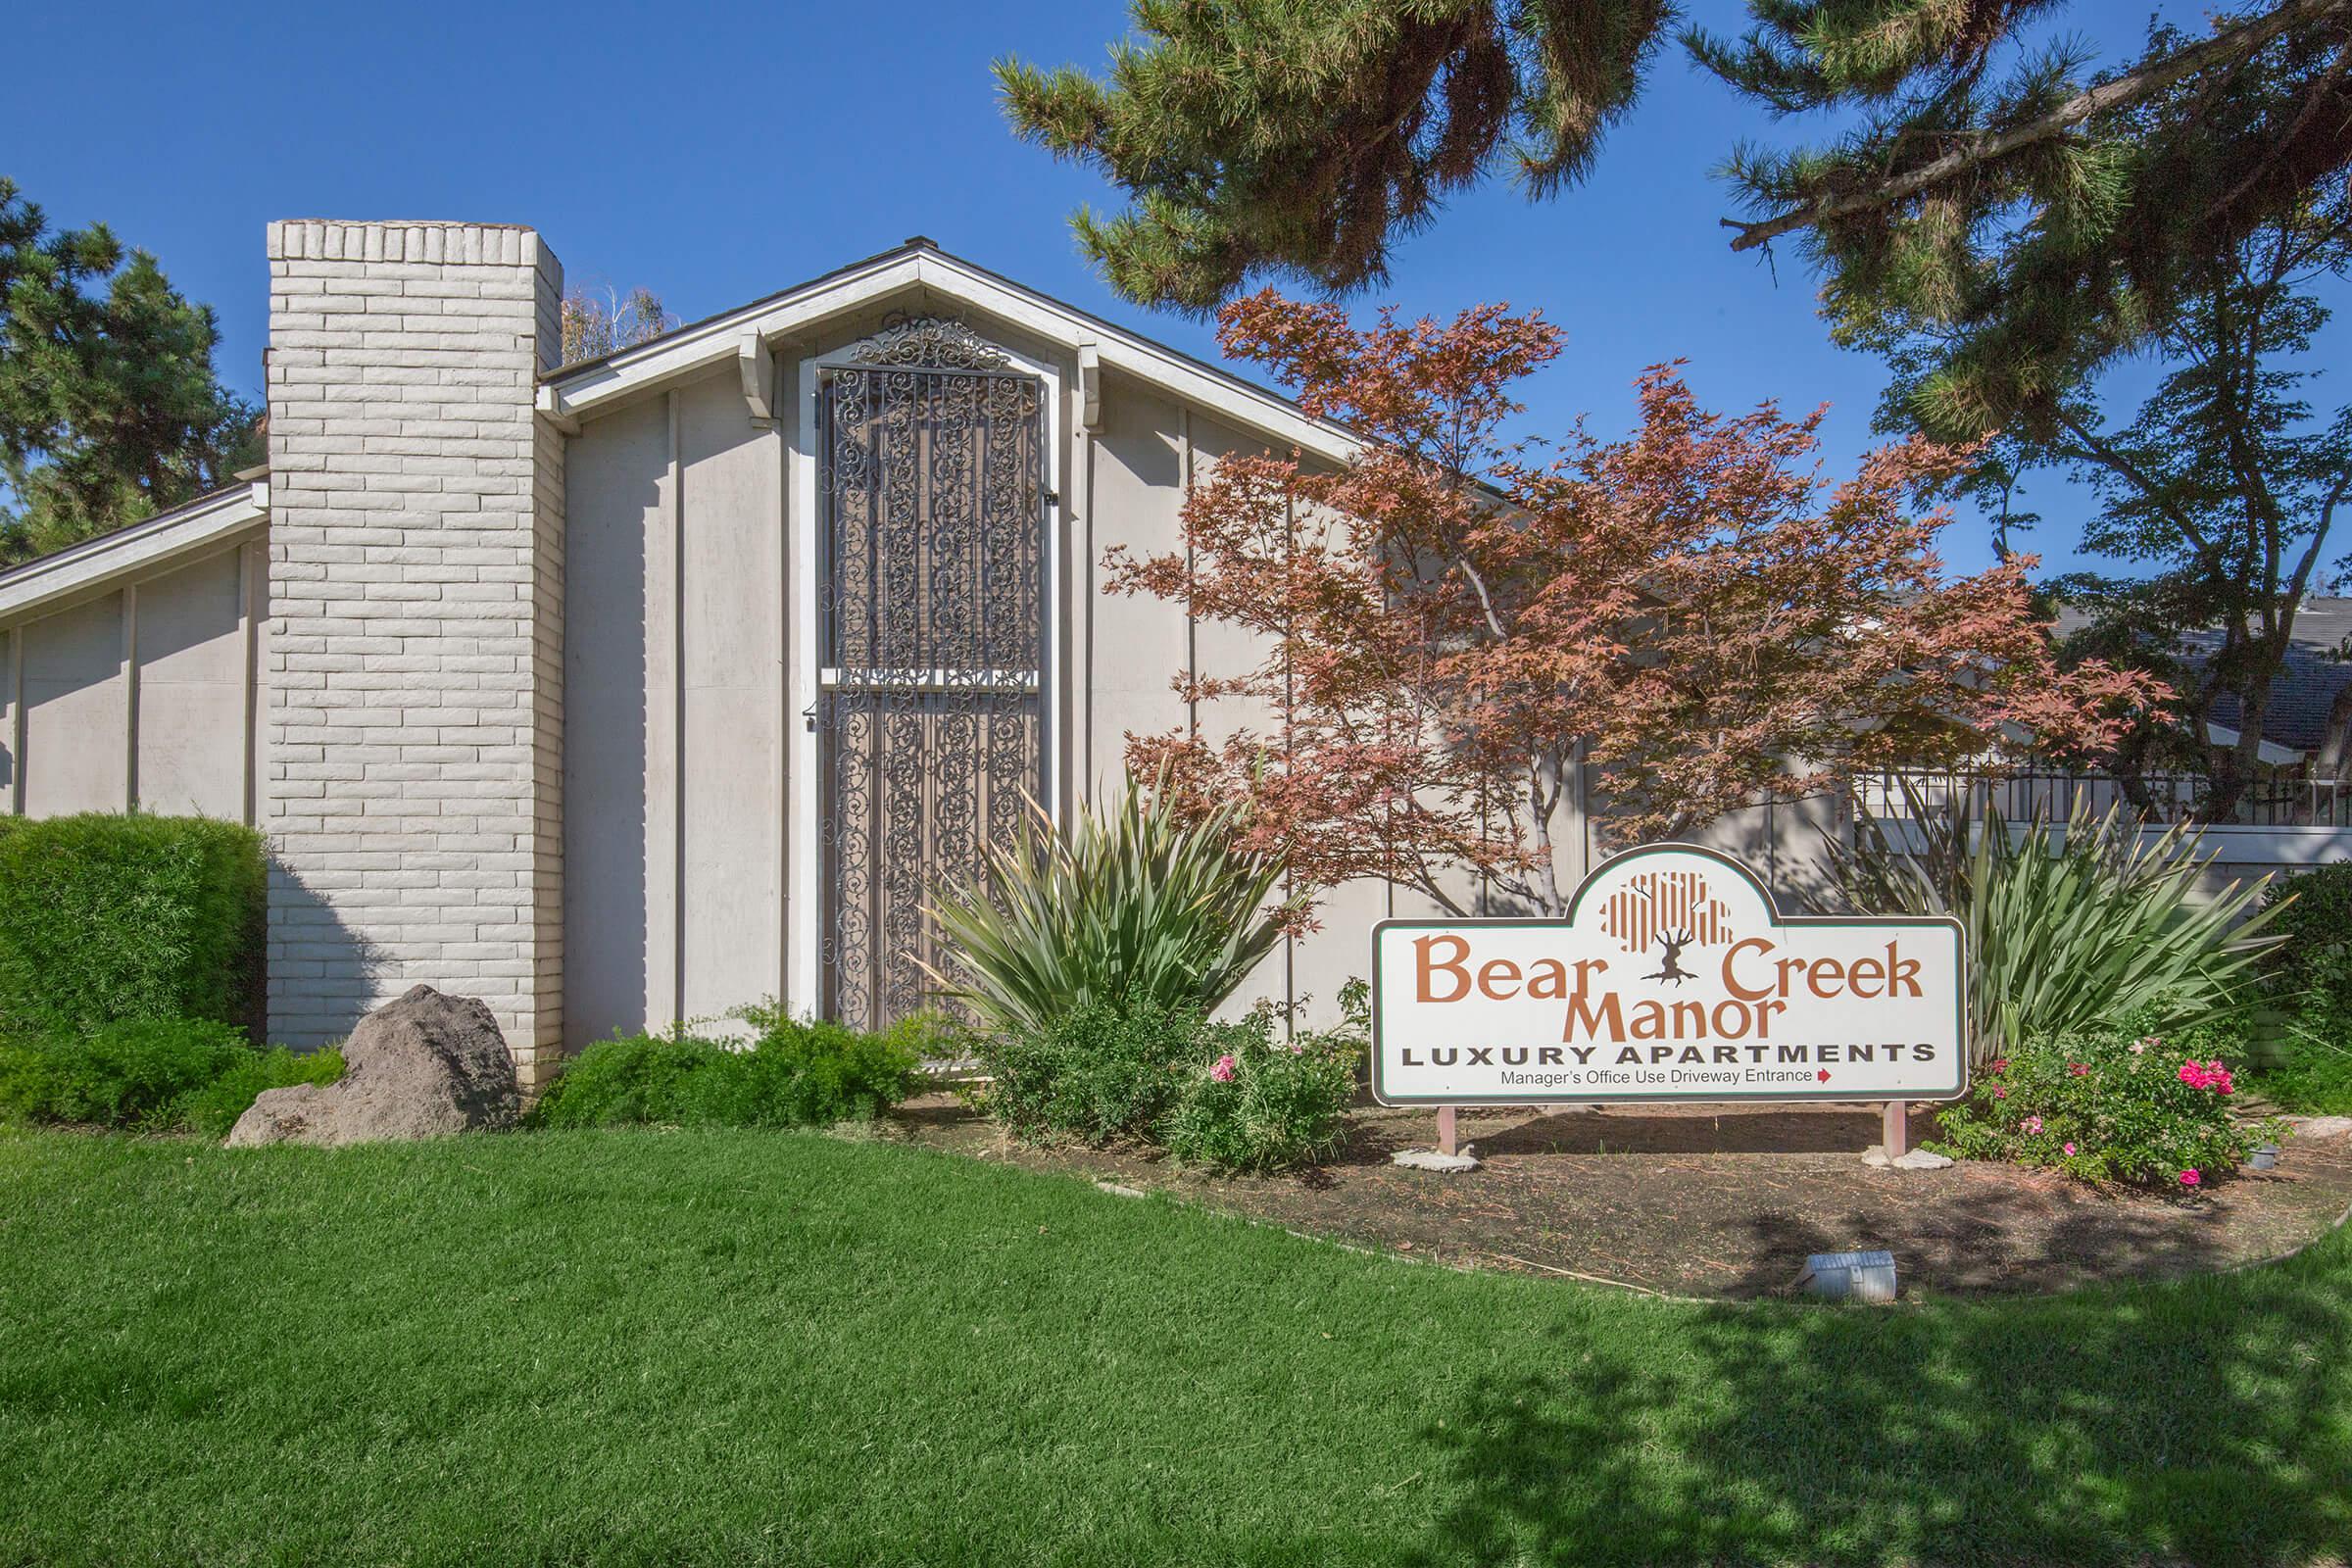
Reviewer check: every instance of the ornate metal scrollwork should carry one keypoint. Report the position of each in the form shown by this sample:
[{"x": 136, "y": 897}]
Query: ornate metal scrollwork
[
  {"x": 937, "y": 341},
  {"x": 932, "y": 639}
]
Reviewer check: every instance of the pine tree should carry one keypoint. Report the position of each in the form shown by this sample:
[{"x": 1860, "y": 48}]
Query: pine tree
[
  {"x": 108, "y": 406},
  {"x": 1302, "y": 136},
  {"x": 2019, "y": 188},
  {"x": 2219, "y": 496}
]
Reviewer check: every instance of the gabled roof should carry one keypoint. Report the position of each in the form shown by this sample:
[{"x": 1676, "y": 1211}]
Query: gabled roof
[
  {"x": 581, "y": 391},
  {"x": 2317, "y": 666},
  {"x": 95, "y": 562}
]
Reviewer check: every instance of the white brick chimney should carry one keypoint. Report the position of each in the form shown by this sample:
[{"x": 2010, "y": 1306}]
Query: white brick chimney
[{"x": 413, "y": 733}]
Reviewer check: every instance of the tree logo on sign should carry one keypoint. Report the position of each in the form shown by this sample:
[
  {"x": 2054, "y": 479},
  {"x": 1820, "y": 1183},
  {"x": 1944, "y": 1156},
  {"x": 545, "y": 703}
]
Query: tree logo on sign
[{"x": 1671, "y": 910}]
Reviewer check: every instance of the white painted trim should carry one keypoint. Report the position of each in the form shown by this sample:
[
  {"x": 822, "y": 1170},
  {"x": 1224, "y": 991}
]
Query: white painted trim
[
  {"x": 804, "y": 851},
  {"x": 759, "y": 371},
  {"x": 2270, "y": 752},
  {"x": 16, "y": 721},
  {"x": 551, "y": 407},
  {"x": 131, "y": 695},
  {"x": 1090, "y": 387},
  {"x": 599, "y": 387},
  {"x": 253, "y": 604},
  {"x": 804, "y": 899},
  {"x": 138, "y": 548},
  {"x": 835, "y": 678},
  {"x": 666, "y": 826}
]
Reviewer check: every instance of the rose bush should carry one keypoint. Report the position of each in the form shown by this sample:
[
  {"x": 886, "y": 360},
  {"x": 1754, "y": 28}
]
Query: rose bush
[
  {"x": 1260, "y": 1102},
  {"x": 2119, "y": 1105}
]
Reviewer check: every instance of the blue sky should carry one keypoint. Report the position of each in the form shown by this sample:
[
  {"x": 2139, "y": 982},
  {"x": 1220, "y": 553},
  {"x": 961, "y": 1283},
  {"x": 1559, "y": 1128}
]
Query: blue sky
[{"x": 715, "y": 153}]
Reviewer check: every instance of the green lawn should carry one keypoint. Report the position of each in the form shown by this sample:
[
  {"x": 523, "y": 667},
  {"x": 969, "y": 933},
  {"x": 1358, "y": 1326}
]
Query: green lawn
[{"x": 742, "y": 1347}]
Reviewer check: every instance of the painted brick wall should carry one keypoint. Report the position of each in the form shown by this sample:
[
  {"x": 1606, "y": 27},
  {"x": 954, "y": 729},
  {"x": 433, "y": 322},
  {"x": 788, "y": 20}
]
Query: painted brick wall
[{"x": 413, "y": 763}]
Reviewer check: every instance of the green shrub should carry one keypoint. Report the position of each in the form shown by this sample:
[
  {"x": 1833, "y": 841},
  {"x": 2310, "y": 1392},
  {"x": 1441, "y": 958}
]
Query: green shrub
[
  {"x": 794, "y": 1073},
  {"x": 2120, "y": 1103},
  {"x": 150, "y": 1074},
  {"x": 1095, "y": 1073},
  {"x": 627, "y": 1080},
  {"x": 127, "y": 1074},
  {"x": 1262, "y": 1104},
  {"x": 811, "y": 1073},
  {"x": 2313, "y": 910},
  {"x": 107, "y": 917},
  {"x": 214, "y": 1109},
  {"x": 1229, "y": 1096},
  {"x": 2305, "y": 1063},
  {"x": 2070, "y": 926},
  {"x": 1135, "y": 905}
]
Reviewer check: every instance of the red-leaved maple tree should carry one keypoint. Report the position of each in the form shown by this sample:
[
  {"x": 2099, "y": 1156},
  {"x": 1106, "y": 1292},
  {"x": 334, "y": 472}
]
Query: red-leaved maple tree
[{"x": 1455, "y": 628}]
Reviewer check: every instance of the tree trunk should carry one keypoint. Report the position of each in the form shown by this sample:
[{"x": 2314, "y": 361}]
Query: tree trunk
[
  {"x": 2239, "y": 765},
  {"x": 2335, "y": 741}
]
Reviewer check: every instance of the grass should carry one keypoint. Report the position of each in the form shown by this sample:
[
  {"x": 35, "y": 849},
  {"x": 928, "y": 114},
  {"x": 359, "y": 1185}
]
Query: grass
[{"x": 632, "y": 1346}]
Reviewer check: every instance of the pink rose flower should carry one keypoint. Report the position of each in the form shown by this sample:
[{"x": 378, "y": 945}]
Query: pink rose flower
[
  {"x": 2032, "y": 1124},
  {"x": 2189, "y": 1178},
  {"x": 2078, "y": 1068},
  {"x": 2069, "y": 1149},
  {"x": 1999, "y": 1092},
  {"x": 1222, "y": 1069}
]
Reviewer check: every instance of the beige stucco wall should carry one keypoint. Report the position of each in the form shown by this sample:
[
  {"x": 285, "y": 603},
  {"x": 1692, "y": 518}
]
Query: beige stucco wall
[
  {"x": 1149, "y": 447},
  {"x": 137, "y": 695},
  {"x": 675, "y": 673},
  {"x": 679, "y": 882}
]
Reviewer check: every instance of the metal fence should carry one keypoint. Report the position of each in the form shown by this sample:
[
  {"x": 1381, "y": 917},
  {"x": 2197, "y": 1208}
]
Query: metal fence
[{"x": 2156, "y": 797}]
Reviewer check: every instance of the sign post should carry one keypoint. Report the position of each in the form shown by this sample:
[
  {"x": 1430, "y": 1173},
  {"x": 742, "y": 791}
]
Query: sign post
[{"x": 1674, "y": 977}]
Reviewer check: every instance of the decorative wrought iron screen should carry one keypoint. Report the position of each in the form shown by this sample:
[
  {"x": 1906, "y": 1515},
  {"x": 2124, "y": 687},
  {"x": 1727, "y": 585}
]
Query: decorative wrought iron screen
[{"x": 931, "y": 643}]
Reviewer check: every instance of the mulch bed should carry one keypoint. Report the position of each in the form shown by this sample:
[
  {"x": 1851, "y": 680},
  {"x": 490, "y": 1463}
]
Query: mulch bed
[{"x": 1722, "y": 1201}]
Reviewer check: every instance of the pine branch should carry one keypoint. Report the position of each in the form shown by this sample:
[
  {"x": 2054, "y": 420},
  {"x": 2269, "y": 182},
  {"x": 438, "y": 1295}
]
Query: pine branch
[{"x": 2236, "y": 42}]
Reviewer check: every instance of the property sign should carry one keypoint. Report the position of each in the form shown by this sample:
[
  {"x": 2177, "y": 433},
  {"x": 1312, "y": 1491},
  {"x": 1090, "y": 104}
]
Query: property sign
[{"x": 1673, "y": 977}]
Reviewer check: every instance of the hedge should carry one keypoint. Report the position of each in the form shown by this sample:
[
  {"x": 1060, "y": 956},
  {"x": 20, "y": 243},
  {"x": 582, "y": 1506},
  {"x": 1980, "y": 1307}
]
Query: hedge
[{"x": 105, "y": 917}]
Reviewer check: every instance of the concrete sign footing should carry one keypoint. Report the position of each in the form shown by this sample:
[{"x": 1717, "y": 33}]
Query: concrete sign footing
[
  {"x": 1912, "y": 1159},
  {"x": 1432, "y": 1159}
]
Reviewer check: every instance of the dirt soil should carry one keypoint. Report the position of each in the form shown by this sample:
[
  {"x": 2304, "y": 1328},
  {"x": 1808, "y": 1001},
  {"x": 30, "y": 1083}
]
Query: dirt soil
[{"x": 1722, "y": 1201}]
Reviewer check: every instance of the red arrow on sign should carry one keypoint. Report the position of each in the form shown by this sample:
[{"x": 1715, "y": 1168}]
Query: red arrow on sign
[{"x": 1823, "y": 1075}]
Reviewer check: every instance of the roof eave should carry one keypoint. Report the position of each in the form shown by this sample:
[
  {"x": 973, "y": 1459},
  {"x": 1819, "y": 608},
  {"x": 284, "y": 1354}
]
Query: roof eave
[
  {"x": 94, "y": 562},
  {"x": 596, "y": 386}
]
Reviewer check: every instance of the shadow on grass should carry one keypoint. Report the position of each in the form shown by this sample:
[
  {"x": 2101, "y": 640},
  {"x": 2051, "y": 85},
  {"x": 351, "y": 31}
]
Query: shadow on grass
[{"x": 2206, "y": 1422}]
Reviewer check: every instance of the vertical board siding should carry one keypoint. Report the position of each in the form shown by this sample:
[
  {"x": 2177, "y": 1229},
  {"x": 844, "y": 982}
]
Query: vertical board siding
[
  {"x": 192, "y": 705},
  {"x": 616, "y": 480},
  {"x": 730, "y": 630},
  {"x": 674, "y": 749},
  {"x": 139, "y": 697},
  {"x": 76, "y": 719}
]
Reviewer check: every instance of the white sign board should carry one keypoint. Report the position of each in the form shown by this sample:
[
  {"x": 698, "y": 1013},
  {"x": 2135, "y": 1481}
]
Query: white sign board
[{"x": 1674, "y": 977}]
